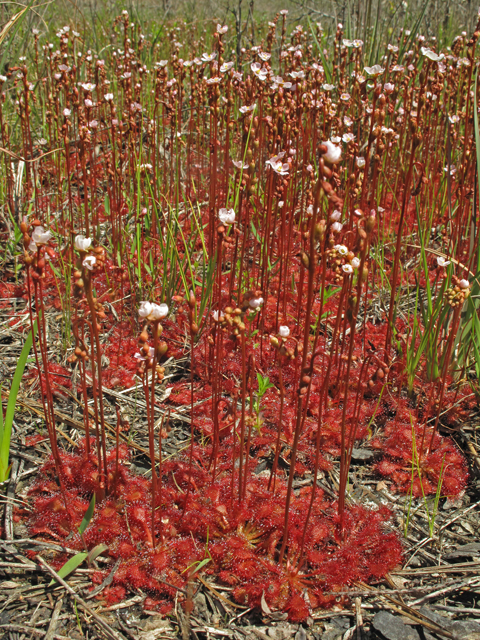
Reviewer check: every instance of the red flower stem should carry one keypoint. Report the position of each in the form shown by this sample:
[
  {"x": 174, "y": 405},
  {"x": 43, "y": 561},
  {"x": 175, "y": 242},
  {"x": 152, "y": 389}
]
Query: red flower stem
[
  {"x": 344, "y": 461},
  {"x": 117, "y": 439},
  {"x": 446, "y": 364},
  {"x": 192, "y": 423},
  {"x": 273, "y": 472},
  {"x": 250, "y": 376},
  {"x": 242, "y": 419},
  {"x": 317, "y": 460},
  {"x": 306, "y": 338},
  {"x": 97, "y": 352}
]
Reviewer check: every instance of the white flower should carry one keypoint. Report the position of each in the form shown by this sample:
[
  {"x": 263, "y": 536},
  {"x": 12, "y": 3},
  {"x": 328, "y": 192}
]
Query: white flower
[
  {"x": 398, "y": 68},
  {"x": 360, "y": 162},
  {"x": 88, "y": 102},
  {"x": 328, "y": 87},
  {"x": 347, "y": 268},
  {"x": 388, "y": 87},
  {"x": 226, "y": 66},
  {"x": 355, "y": 262},
  {"x": 283, "y": 331},
  {"x": 464, "y": 284},
  {"x": 248, "y": 109},
  {"x": 108, "y": 97},
  {"x": 341, "y": 249},
  {"x": 82, "y": 243},
  {"x": 140, "y": 356},
  {"x": 89, "y": 262},
  {"x": 333, "y": 153},
  {"x": 66, "y": 112},
  {"x": 221, "y": 29},
  {"x": 335, "y": 216},
  {"x": 348, "y": 137},
  {"x": 337, "y": 227},
  {"x": 277, "y": 165},
  {"x": 40, "y": 236},
  {"x": 442, "y": 262},
  {"x": 239, "y": 164},
  {"x": 145, "y": 309},
  {"x": 255, "y": 303},
  {"x": 226, "y": 216},
  {"x": 88, "y": 86},
  {"x": 152, "y": 311},
  {"x": 214, "y": 80},
  {"x": 347, "y": 43},
  {"x": 345, "y": 97},
  {"x": 358, "y": 44},
  {"x": 260, "y": 72},
  {"x": 453, "y": 119},
  {"x": 218, "y": 316},
  {"x": 376, "y": 70},
  {"x": 431, "y": 55},
  {"x": 208, "y": 57},
  {"x": 264, "y": 56},
  {"x": 158, "y": 311}
]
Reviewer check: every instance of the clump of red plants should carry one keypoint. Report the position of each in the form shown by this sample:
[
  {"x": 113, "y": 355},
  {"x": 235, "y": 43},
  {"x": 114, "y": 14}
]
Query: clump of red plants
[{"x": 245, "y": 234}]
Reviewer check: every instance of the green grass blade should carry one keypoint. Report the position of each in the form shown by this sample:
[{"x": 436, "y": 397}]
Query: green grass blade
[
  {"x": 325, "y": 63},
  {"x": 96, "y": 551},
  {"x": 6, "y": 426},
  {"x": 70, "y": 566},
  {"x": 87, "y": 517}
]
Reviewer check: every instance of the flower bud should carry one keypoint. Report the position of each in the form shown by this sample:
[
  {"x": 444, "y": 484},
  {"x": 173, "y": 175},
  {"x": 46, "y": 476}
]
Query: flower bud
[{"x": 162, "y": 349}]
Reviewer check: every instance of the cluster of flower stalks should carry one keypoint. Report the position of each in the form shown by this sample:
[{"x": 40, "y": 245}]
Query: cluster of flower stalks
[{"x": 248, "y": 214}]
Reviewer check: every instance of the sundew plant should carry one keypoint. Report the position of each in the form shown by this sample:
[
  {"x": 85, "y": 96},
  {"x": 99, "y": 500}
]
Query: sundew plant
[{"x": 296, "y": 221}]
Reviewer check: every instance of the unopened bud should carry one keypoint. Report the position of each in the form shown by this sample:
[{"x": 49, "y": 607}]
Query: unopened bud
[
  {"x": 162, "y": 348},
  {"x": 370, "y": 224},
  {"x": 320, "y": 230}
]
